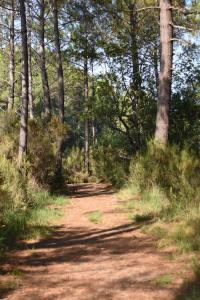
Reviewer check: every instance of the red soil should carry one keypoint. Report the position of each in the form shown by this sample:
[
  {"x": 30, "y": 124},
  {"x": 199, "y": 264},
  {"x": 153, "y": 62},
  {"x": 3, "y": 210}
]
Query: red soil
[{"x": 84, "y": 261}]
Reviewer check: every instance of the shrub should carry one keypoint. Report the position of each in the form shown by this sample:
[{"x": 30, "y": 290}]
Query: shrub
[
  {"x": 9, "y": 134},
  {"x": 73, "y": 166},
  {"x": 109, "y": 166},
  {"x": 41, "y": 155},
  {"x": 175, "y": 172},
  {"x": 42, "y": 144},
  {"x": 12, "y": 186}
]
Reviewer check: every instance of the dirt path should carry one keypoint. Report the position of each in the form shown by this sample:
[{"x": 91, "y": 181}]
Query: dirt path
[{"x": 84, "y": 261}]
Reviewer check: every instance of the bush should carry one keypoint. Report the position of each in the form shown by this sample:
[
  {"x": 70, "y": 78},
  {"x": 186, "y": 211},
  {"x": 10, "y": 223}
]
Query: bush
[
  {"x": 73, "y": 166},
  {"x": 42, "y": 144},
  {"x": 24, "y": 204},
  {"x": 109, "y": 166},
  {"x": 9, "y": 134},
  {"x": 13, "y": 192},
  {"x": 174, "y": 172},
  {"x": 41, "y": 155}
]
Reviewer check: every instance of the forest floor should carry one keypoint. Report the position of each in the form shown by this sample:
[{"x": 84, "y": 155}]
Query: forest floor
[{"x": 95, "y": 253}]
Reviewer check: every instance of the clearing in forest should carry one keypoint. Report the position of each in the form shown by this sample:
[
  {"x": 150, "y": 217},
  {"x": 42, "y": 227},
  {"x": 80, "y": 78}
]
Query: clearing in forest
[{"x": 95, "y": 253}]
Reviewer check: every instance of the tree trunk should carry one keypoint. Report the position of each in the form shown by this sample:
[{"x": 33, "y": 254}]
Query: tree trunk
[
  {"x": 25, "y": 86},
  {"x": 61, "y": 94},
  {"x": 156, "y": 72},
  {"x": 93, "y": 123},
  {"x": 42, "y": 62},
  {"x": 136, "y": 81},
  {"x": 136, "y": 77},
  {"x": 165, "y": 76},
  {"x": 86, "y": 125},
  {"x": 11, "y": 58},
  {"x": 30, "y": 90}
]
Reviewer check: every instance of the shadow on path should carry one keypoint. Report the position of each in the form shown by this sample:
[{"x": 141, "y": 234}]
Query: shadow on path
[
  {"x": 81, "y": 245},
  {"x": 89, "y": 190},
  {"x": 86, "y": 262}
]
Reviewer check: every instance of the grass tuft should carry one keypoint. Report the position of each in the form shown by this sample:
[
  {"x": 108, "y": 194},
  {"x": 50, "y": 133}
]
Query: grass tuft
[
  {"x": 95, "y": 217},
  {"x": 142, "y": 218},
  {"x": 163, "y": 280}
]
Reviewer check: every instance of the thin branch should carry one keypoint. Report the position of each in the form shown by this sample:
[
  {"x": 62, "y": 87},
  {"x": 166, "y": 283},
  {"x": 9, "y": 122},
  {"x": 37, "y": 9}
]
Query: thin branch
[
  {"x": 184, "y": 28},
  {"x": 147, "y": 8},
  {"x": 8, "y": 8},
  {"x": 185, "y": 11},
  {"x": 182, "y": 41}
]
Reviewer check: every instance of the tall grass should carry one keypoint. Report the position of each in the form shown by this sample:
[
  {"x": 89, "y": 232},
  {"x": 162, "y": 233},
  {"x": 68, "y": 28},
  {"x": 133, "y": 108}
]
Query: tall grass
[
  {"x": 175, "y": 173},
  {"x": 164, "y": 185},
  {"x": 25, "y": 207}
]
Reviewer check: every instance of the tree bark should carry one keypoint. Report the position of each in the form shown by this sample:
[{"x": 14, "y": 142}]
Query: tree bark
[
  {"x": 136, "y": 80},
  {"x": 61, "y": 94},
  {"x": 136, "y": 77},
  {"x": 42, "y": 62},
  {"x": 156, "y": 72},
  {"x": 23, "y": 136},
  {"x": 11, "y": 58},
  {"x": 165, "y": 76},
  {"x": 86, "y": 125},
  {"x": 60, "y": 78},
  {"x": 93, "y": 123},
  {"x": 30, "y": 89}
]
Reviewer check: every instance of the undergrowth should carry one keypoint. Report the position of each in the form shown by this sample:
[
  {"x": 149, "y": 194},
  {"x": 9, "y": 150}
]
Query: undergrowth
[
  {"x": 32, "y": 221},
  {"x": 27, "y": 209},
  {"x": 164, "y": 187}
]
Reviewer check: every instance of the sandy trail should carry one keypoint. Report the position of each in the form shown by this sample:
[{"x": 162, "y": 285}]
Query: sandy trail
[{"x": 84, "y": 261}]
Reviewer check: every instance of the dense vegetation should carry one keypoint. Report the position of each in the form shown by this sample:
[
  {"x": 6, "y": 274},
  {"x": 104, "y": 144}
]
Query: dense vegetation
[{"x": 99, "y": 91}]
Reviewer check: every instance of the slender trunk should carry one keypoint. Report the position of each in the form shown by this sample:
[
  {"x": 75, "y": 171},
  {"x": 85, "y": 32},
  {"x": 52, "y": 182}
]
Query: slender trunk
[
  {"x": 94, "y": 141},
  {"x": 93, "y": 132},
  {"x": 11, "y": 58},
  {"x": 136, "y": 77},
  {"x": 61, "y": 94},
  {"x": 60, "y": 78},
  {"x": 86, "y": 125},
  {"x": 165, "y": 76},
  {"x": 25, "y": 86},
  {"x": 30, "y": 90},
  {"x": 42, "y": 62},
  {"x": 156, "y": 72}
]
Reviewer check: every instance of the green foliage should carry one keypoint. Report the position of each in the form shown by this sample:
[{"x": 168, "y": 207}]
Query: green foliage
[
  {"x": 13, "y": 193},
  {"x": 95, "y": 217},
  {"x": 185, "y": 117},
  {"x": 43, "y": 147},
  {"x": 16, "y": 272},
  {"x": 9, "y": 130},
  {"x": 41, "y": 155},
  {"x": 42, "y": 144},
  {"x": 163, "y": 280},
  {"x": 25, "y": 208},
  {"x": 187, "y": 235},
  {"x": 165, "y": 185},
  {"x": 109, "y": 166},
  {"x": 73, "y": 166},
  {"x": 31, "y": 221},
  {"x": 196, "y": 266},
  {"x": 60, "y": 201},
  {"x": 142, "y": 218},
  {"x": 144, "y": 206},
  {"x": 176, "y": 173}
]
